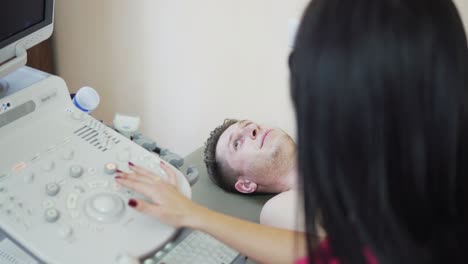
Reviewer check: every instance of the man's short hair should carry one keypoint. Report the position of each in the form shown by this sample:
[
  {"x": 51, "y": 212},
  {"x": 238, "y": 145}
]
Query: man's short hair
[{"x": 220, "y": 173}]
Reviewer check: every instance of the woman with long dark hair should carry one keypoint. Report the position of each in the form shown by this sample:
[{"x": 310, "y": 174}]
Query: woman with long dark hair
[{"x": 380, "y": 93}]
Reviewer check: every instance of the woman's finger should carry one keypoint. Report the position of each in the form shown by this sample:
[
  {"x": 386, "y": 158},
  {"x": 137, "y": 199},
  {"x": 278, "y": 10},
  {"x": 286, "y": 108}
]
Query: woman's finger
[
  {"x": 144, "y": 188},
  {"x": 144, "y": 207},
  {"x": 147, "y": 172},
  {"x": 140, "y": 170},
  {"x": 138, "y": 177},
  {"x": 172, "y": 176}
]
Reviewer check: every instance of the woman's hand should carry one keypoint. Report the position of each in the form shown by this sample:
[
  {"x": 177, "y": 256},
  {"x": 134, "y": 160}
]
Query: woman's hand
[
  {"x": 262, "y": 243},
  {"x": 168, "y": 204}
]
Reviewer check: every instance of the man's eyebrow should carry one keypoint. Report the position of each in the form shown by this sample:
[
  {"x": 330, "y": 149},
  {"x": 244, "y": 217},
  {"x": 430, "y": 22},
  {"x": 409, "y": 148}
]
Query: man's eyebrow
[{"x": 242, "y": 124}]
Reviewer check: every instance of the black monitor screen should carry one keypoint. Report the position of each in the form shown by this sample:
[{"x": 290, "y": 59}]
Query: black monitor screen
[{"x": 17, "y": 16}]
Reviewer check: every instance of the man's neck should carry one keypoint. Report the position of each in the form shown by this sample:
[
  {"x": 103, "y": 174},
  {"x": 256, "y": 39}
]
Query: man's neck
[
  {"x": 289, "y": 181},
  {"x": 283, "y": 183}
]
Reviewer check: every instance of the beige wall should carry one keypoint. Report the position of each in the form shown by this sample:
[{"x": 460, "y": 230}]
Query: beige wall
[
  {"x": 463, "y": 9},
  {"x": 182, "y": 66}
]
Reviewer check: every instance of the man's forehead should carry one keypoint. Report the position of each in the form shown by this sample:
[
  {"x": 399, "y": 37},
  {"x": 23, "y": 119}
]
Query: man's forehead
[{"x": 222, "y": 147}]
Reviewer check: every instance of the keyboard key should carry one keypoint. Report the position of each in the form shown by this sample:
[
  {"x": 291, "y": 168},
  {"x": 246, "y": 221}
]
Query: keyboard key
[{"x": 199, "y": 247}]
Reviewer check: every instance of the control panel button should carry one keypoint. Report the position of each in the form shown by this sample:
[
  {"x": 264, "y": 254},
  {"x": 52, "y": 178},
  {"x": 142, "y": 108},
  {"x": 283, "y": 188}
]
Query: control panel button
[
  {"x": 52, "y": 189},
  {"x": 76, "y": 171},
  {"x": 110, "y": 168},
  {"x": 125, "y": 259},
  {"x": 92, "y": 171},
  {"x": 51, "y": 148},
  {"x": 65, "y": 232},
  {"x": 79, "y": 188},
  {"x": 149, "y": 261},
  {"x": 51, "y": 215},
  {"x": 78, "y": 115},
  {"x": 72, "y": 200},
  {"x": 28, "y": 177},
  {"x": 110, "y": 144},
  {"x": 168, "y": 246},
  {"x": 48, "y": 204},
  {"x": 159, "y": 254},
  {"x": 29, "y": 212},
  {"x": 3, "y": 175},
  {"x": 48, "y": 165},
  {"x": 68, "y": 154},
  {"x": 98, "y": 184}
]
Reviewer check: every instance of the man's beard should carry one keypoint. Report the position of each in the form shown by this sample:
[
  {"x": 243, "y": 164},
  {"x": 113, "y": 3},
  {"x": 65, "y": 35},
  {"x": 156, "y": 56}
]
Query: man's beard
[{"x": 282, "y": 156}]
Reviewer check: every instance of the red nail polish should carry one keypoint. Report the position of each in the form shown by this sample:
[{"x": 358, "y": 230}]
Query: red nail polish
[
  {"x": 118, "y": 171},
  {"x": 131, "y": 164},
  {"x": 132, "y": 203},
  {"x": 118, "y": 177}
]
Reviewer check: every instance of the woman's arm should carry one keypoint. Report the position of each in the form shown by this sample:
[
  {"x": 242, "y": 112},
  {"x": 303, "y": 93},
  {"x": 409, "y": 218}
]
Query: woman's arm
[{"x": 262, "y": 243}]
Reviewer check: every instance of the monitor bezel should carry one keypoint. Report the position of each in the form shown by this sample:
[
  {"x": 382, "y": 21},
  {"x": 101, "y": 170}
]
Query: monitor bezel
[{"x": 30, "y": 36}]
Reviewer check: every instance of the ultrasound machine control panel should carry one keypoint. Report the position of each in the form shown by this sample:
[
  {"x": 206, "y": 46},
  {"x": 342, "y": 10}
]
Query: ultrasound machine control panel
[{"x": 58, "y": 196}]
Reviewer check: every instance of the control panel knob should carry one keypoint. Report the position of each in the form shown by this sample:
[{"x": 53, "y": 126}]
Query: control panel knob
[
  {"x": 105, "y": 207},
  {"x": 110, "y": 168},
  {"x": 52, "y": 189},
  {"x": 68, "y": 154},
  {"x": 51, "y": 215},
  {"x": 48, "y": 166},
  {"x": 104, "y": 204},
  {"x": 76, "y": 171}
]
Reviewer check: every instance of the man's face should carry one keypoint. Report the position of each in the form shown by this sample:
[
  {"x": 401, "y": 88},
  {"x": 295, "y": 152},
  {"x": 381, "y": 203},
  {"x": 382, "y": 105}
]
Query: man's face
[{"x": 259, "y": 153}]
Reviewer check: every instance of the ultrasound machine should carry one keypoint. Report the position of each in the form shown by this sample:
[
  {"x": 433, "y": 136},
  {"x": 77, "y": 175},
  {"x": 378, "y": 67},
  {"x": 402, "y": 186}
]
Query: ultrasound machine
[{"x": 59, "y": 202}]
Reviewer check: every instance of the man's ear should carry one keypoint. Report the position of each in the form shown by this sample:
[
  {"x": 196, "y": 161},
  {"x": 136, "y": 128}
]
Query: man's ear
[{"x": 245, "y": 186}]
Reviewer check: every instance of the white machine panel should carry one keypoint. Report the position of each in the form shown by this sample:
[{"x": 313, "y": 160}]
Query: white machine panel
[{"x": 58, "y": 196}]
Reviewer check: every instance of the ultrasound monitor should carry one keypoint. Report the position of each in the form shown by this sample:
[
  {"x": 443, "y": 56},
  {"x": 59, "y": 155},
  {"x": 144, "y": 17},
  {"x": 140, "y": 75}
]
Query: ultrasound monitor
[{"x": 23, "y": 24}]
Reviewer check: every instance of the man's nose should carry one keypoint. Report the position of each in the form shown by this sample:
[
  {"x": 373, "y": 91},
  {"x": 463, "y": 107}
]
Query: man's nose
[{"x": 252, "y": 132}]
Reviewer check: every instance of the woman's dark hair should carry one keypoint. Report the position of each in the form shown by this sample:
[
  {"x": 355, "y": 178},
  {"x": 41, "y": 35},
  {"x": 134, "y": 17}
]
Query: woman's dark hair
[{"x": 380, "y": 93}]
